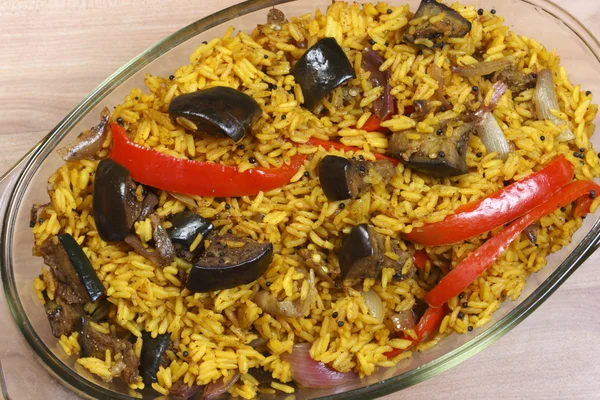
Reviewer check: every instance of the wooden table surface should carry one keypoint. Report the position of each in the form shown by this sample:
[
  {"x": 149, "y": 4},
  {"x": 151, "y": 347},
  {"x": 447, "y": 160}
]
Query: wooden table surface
[{"x": 54, "y": 52}]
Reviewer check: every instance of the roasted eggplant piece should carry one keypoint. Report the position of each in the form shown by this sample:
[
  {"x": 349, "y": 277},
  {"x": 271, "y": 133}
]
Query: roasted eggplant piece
[
  {"x": 89, "y": 142},
  {"x": 94, "y": 344},
  {"x": 216, "y": 110},
  {"x": 115, "y": 205},
  {"x": 153, "y": 356},
  {"x": 64, "y": 318},
  {"x": 362, "y": 255},
  {"x": 435, "y": 155},
  {"x": 516, "y": 80},
  {"x": 228, "y": 262},
  {"x": 185, "y": 228},
  {"x": 424, "y": 33},
  {"x": 321, "y": 69},
  {"x": 76, "y": 278},
  {"x": 343, "y": 179},
  {"x": 384, "y": 104}
]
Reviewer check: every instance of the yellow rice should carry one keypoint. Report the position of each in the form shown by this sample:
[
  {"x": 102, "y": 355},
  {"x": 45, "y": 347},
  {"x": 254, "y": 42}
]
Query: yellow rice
[{"x": 215, "y": 328}]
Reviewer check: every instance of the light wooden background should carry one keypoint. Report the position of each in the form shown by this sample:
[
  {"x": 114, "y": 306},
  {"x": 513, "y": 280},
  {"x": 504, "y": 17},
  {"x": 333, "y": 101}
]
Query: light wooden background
[{"x": 53, "y": 53}]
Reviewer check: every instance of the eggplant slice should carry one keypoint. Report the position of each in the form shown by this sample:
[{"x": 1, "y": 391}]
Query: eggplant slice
[
  {"x": 77, "y": 282},
  {"x": 184, "y": 230},
  {"x": 343, "y": 179},
  {"x": 153, "y": 356},
  {"x": 115, "y": 205},
  {"x": 362, "y": 255},
  {"x": 321, "y": 69},
  {"x": 516, "y": 80},
  {"x": 228, "y": 262},
  {"x": 217, "y": 110},
  {"x": 432, "y": 154},
  {"x": 452, "y": 25}
]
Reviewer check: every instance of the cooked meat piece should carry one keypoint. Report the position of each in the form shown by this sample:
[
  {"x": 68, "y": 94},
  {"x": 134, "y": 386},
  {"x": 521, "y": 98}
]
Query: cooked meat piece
[
  {"x": 165, "y": 248},
  {"x": 64, "y": 318},
  {"x": 228, "y": 262},
  {"x": 77, "y": 282},
  {"x": 452, "y": 25},
  {"x": 516, "y": 79},
  {"x": 95, "y": 344},
  {"x": 181, "y": 390},
  {"x": 342, "y": 178},
  {"x": 405, "y": 267},
  {"x": 432, "y": 154}
]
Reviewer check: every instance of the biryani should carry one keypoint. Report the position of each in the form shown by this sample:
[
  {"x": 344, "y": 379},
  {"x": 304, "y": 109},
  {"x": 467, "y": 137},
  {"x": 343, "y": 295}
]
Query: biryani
[{"x": 305, "y": 204}]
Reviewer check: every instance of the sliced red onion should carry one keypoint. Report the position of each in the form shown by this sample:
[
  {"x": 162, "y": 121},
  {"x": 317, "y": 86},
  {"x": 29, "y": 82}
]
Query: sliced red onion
[
  {"x": 437, "y": 74},
  {"x": 219, "y": 387},
  {"x": 88, "y": 143},
  {"x": 314, "y": 374},
  {"x": 481, "y": 68},
  {"x": 371, "y": 61},
  {"x": 545, "y": 100}
]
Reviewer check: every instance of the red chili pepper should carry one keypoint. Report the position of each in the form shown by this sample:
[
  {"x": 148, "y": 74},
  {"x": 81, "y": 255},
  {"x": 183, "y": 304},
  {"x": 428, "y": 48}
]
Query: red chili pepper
[
  {"x": 339, "y": 146},
  {"x": 582, "y": 206},
  {"x": 373, "y": 124},
  {"x": 428, "y": 323},
  {"x": 496, "y": 210},
  {"x": 200, "y": 178},
  {"x": 477, "y": 262},
  {"x": 420, "y": 258}
]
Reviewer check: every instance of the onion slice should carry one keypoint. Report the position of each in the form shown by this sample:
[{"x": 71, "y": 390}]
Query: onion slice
[
  {"x": 545, "y": 100},
  {"x": 374, "y": 304},
  {"x": 492, "y": 137},
  {"x": 292, "y": 309},
  {"x": 437, "y": 74},
  {"x": 314, "y": 374},
  {"x": 219, "y": 387},
  {"x": 481, "y": 68},
  {"x": 89, "y": 142},
  {"x": 384, "y": 104}
]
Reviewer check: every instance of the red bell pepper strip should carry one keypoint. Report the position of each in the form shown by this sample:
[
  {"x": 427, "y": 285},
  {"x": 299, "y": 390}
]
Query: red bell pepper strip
[
  {"x": 200, "y": 178},
  {"x": 339, "y": 146},
  {"x": 372, "y": 124},
  {"x": 582, "y": 206},
  {"x": 429, "y": 322},
  {"x": 420, "y": 258},
  {"x": 477, "y": 262},
  {"x": 496, "y": 210}
]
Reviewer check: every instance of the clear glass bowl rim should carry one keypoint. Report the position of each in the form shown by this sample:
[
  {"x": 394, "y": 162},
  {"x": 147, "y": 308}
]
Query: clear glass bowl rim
[{"x": 66, "y": 375}]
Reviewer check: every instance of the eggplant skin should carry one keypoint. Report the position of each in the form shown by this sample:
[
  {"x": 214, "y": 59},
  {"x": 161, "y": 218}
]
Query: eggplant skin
[
  {"x": 153, "y": 350},
  {"x": 224, "y": 267},
  {"x": 87, "y": 275},
  {"x": 361, "y": 253},
  {"x": 321, "y": 69},
  {"x": 186, "y": 226},
  {"x": 114, "y": 202},
  {"x": 217, "y": 110},
  {"x": 333, "y": 176}
]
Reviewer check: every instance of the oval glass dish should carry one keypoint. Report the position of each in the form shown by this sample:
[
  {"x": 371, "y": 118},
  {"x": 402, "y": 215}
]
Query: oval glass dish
[{"x": 25, "y": 184}]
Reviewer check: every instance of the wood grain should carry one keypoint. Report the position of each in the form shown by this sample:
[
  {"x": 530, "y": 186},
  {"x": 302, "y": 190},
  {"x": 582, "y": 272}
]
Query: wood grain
[{"x": 53, "y": 53}]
